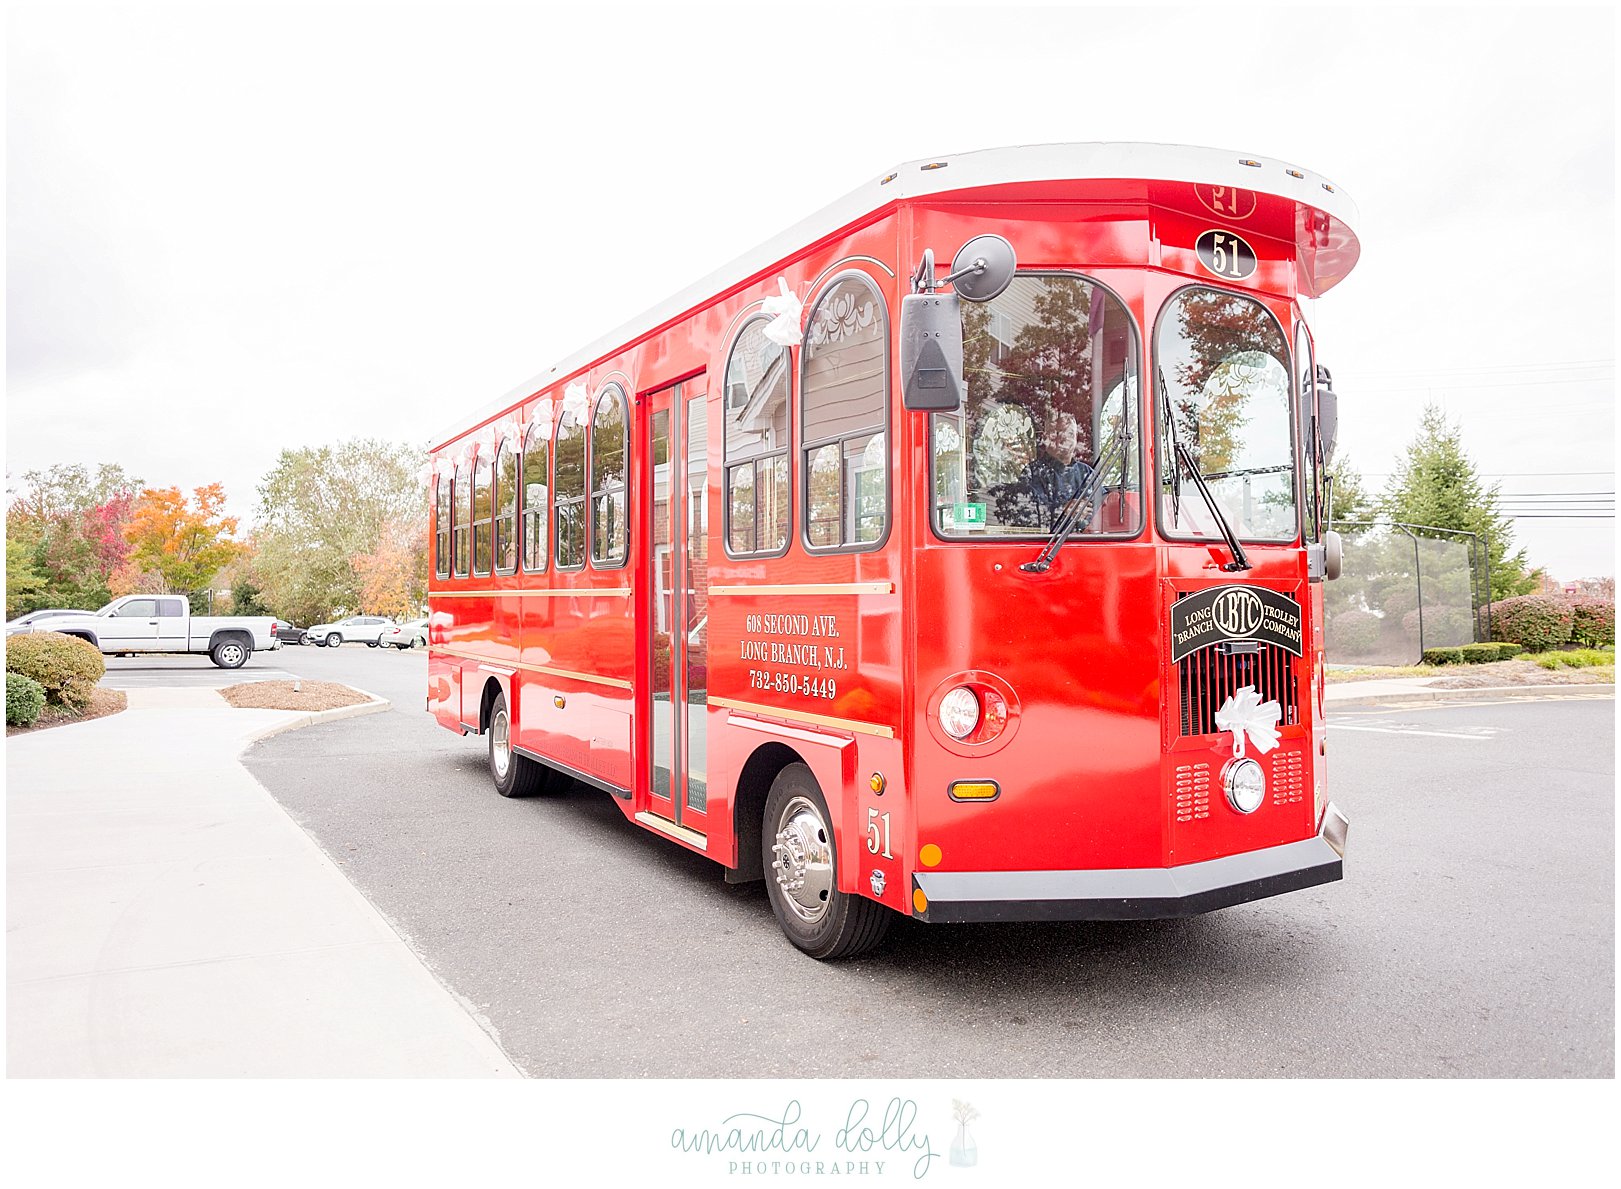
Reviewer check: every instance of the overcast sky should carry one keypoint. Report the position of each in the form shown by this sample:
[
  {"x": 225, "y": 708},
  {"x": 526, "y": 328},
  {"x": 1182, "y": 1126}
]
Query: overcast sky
[{"x": 237, "y": 229}]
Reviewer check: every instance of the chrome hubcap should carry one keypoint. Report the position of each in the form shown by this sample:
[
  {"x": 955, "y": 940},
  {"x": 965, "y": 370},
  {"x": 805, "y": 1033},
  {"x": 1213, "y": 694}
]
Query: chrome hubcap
[
  {"x": 500, "y": 745},
  {"x": 804, "y": 860},
  {"x": 231, "y": 653}
]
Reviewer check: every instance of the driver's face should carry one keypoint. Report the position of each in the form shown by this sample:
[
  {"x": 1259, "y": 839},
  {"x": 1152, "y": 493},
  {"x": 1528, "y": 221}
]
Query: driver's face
[{"x": 1062, "y": 440}]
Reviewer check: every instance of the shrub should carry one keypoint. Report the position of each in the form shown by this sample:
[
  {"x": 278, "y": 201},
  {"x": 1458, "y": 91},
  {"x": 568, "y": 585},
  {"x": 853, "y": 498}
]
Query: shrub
[
  {"x": 1444, "y": 656},
  {"x": 1592, "y": 622},
  {"x": 1353, "y": 633},
  {"x": 1535, "y": 622},
  {"x": 25, "y": 698},
  {"x": 1575, "y": 658},
  {"x": 68, "y": 668}
]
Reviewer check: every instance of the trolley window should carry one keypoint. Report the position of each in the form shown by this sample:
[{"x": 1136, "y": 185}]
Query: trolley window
[
  {"x": 441, "y": 526},
  {"x": 843, "y": 398},
  {"x": 1051, "y": 370},
  {"x": 506, "y": 509},
  {"x": 756, "y": 410},
  {"x": 537, "y": 452},
  {"x": 1223, "y": 363},
  {"x": 568, "y": 503},
  {"x": 460, "y": 505},
  {"x": 483, "y": 472},
  {"x": 609, "y": 531}
]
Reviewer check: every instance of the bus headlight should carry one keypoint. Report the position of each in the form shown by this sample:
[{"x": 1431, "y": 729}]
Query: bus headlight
[
  {"x": 959, "y": 712},
  {"x": 1246, "y": 785}
]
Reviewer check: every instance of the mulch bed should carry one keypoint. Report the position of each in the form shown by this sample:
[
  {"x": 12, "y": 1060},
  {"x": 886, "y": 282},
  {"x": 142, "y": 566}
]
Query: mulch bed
[
  {"x": 102, "y": 703},
  {"x": 280, "y": 695}
]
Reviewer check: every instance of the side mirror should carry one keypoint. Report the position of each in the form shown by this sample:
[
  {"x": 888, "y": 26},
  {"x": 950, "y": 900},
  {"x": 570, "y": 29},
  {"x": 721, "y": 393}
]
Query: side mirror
[
  {"x": 931, "y": 322},
  {"x": 1328, "y": 415},
  {"x": 1333, "y": 555},
  {"x": 931, "y": 352}
]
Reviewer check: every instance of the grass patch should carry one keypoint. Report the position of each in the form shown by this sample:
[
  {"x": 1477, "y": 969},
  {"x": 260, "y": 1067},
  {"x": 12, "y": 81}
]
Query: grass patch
[
  {"x": 1574, "y": 658},
  {"x": 102, "y": 703}
]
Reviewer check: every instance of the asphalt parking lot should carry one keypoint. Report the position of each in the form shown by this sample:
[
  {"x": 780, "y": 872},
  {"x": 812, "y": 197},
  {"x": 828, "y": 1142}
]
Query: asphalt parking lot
[{"x": 1473, "y": 935}]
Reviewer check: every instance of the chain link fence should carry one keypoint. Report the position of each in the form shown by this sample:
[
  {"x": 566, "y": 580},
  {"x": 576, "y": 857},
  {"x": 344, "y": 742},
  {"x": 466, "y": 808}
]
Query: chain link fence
[{"x": 1404, "y": 588}]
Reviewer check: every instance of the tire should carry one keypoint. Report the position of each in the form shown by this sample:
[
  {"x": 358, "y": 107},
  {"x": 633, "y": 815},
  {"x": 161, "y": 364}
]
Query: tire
[
  {"x": 230, "y": 653},
  {"x": 333, "y": 639},
  {"x": 402, "y": 647},
  {"x": 514, "y": 775},
  {"x": 371, "y": 643},
  {"x": 800, "y": 859}
]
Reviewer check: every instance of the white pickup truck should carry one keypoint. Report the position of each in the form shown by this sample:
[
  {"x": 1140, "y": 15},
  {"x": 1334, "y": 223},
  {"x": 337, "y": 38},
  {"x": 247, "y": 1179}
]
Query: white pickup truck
[{"x": 164, "y": 623}]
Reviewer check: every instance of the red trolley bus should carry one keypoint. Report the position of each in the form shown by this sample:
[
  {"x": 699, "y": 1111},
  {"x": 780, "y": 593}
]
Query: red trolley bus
[{"x": 991, "y": 596}]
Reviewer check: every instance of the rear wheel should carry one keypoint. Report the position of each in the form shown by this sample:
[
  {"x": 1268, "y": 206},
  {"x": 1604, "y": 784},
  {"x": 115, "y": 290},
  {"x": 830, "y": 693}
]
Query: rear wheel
[
  {"x": 514, "y": 775},
  {"x": 801, "y": 865},
  {"x": 230, "y": 653}
]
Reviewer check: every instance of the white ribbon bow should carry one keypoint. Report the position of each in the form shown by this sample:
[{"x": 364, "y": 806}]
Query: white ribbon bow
[
  {"x": 576, "y": 400},
  {"x": 1245, "y": 714},
  {"x": 786, "y": 312}
]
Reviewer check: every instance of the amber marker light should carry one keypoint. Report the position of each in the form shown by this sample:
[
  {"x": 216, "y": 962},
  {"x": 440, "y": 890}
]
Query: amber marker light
[
  {"x": 877, "y": 783},
  {"x": 919, "y": 900},
  {"x": 930, "y": 855},
  {"x": 974, "y": 790}
]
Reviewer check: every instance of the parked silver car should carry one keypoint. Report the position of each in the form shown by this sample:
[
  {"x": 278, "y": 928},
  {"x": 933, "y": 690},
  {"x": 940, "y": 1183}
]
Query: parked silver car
[
  {"x": 23, "y": 622},
  {"x": 361, "y": 628},
  {"x": 406, "y": 635}
]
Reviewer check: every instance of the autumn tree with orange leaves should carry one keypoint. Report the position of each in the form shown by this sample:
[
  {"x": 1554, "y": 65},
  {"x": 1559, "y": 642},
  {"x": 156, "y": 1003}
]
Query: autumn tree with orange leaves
[
  {"x": 177, "y": 545},
  {"x": 394, "y": 576}
]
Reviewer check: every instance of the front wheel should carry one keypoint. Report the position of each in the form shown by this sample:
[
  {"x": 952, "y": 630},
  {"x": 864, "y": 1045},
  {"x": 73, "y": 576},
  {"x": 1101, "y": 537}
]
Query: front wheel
[
  {"x": 333, "y": 639},
  {"x": 801, "y": 864},
  {"x": 514, "y": 775},
  {"x": 230, "y": 654}
]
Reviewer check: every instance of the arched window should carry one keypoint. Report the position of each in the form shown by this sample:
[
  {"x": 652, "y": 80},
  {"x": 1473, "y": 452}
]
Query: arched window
[
  {"x": 506, "y": 509},
  {"x": 537, "y": 452},
  {"x": 568, "y": 502},
  {"x": 609, "y": 532},
  {"x": 460, "y": 504},
  {"x": 844, "y": 398},
  {"x": 1223, "y": 367},
  {"x": 1052, "y": 406},
  {"x": 482, "y": 472},
  {"x": 441, "y": 526},
  {"x": 756, "y": 412}
]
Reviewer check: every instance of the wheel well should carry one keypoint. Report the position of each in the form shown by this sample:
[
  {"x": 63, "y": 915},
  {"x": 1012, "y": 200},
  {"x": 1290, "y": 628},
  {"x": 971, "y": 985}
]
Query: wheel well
[
  {"x": 230, "y": 634},
  {"x": 85, "y": 636},
  {"x": 748, "y": 806},
  {"x": 486, "y": 702}
]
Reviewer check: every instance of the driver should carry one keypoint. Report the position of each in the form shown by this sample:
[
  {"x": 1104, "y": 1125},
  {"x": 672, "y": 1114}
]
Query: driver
[{"x": 1057, "y": 473}]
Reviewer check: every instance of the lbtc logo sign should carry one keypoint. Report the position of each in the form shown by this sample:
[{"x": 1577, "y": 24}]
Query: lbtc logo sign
[{"x": 1237, "y": 613}]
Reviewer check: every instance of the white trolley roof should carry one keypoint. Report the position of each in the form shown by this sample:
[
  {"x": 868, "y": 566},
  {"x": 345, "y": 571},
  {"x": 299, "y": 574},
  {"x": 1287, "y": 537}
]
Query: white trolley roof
[{"x": 992, "y": 167}]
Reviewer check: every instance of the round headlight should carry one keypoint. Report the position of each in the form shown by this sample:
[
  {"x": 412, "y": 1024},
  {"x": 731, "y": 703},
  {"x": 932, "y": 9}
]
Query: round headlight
[
  {"x": 959, "y": 712},
  {"x": 1246, "y": 785}
]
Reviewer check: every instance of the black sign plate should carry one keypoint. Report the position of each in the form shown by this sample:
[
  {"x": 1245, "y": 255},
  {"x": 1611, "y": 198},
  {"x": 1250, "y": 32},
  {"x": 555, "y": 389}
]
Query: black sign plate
[
  {"x": 1234, "y": 613},
  {"x": 1226, "y": 254}
]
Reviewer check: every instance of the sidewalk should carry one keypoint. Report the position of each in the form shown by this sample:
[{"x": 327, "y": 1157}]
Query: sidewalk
[
  {"x": 166, "y": 918},
  {"x": 1389, "y": 690}
]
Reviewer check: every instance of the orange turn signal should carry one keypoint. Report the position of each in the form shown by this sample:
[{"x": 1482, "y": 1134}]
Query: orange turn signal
[
  {"x": 974, "y": 790},
  {"x": 919, "y": 900}
]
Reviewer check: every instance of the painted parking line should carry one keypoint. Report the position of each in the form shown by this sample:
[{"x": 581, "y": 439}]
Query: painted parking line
[{"x": 1480, "y": 735}]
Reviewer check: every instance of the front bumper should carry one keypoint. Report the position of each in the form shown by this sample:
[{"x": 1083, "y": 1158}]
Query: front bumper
[{"x": 1137, "y": 893}]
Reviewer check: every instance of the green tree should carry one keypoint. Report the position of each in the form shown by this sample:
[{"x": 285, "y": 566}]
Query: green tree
[
  {"x": 25, "y": 584},
  {"x": 1351, "y": 501},
  {"x": 319, "y": 509},
  {"x": 1437, "y": 484},
  {"x": 70, "y": 522}
]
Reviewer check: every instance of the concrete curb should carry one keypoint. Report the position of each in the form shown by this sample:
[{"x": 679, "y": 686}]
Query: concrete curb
[
  {"x": 375, "y": 706},
  {"x": 1479, "y": 694}
]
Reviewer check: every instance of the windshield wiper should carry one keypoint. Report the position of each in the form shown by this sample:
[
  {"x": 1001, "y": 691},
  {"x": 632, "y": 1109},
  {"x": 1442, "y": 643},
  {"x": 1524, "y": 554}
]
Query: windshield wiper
[
  {"x": 1240, "y": 560},
  {"x": 1077, "y": 512}
]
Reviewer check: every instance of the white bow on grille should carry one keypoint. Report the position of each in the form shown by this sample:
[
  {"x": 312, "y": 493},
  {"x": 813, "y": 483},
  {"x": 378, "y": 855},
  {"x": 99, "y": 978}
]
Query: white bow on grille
[{"x": 1245, "y": 714}]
